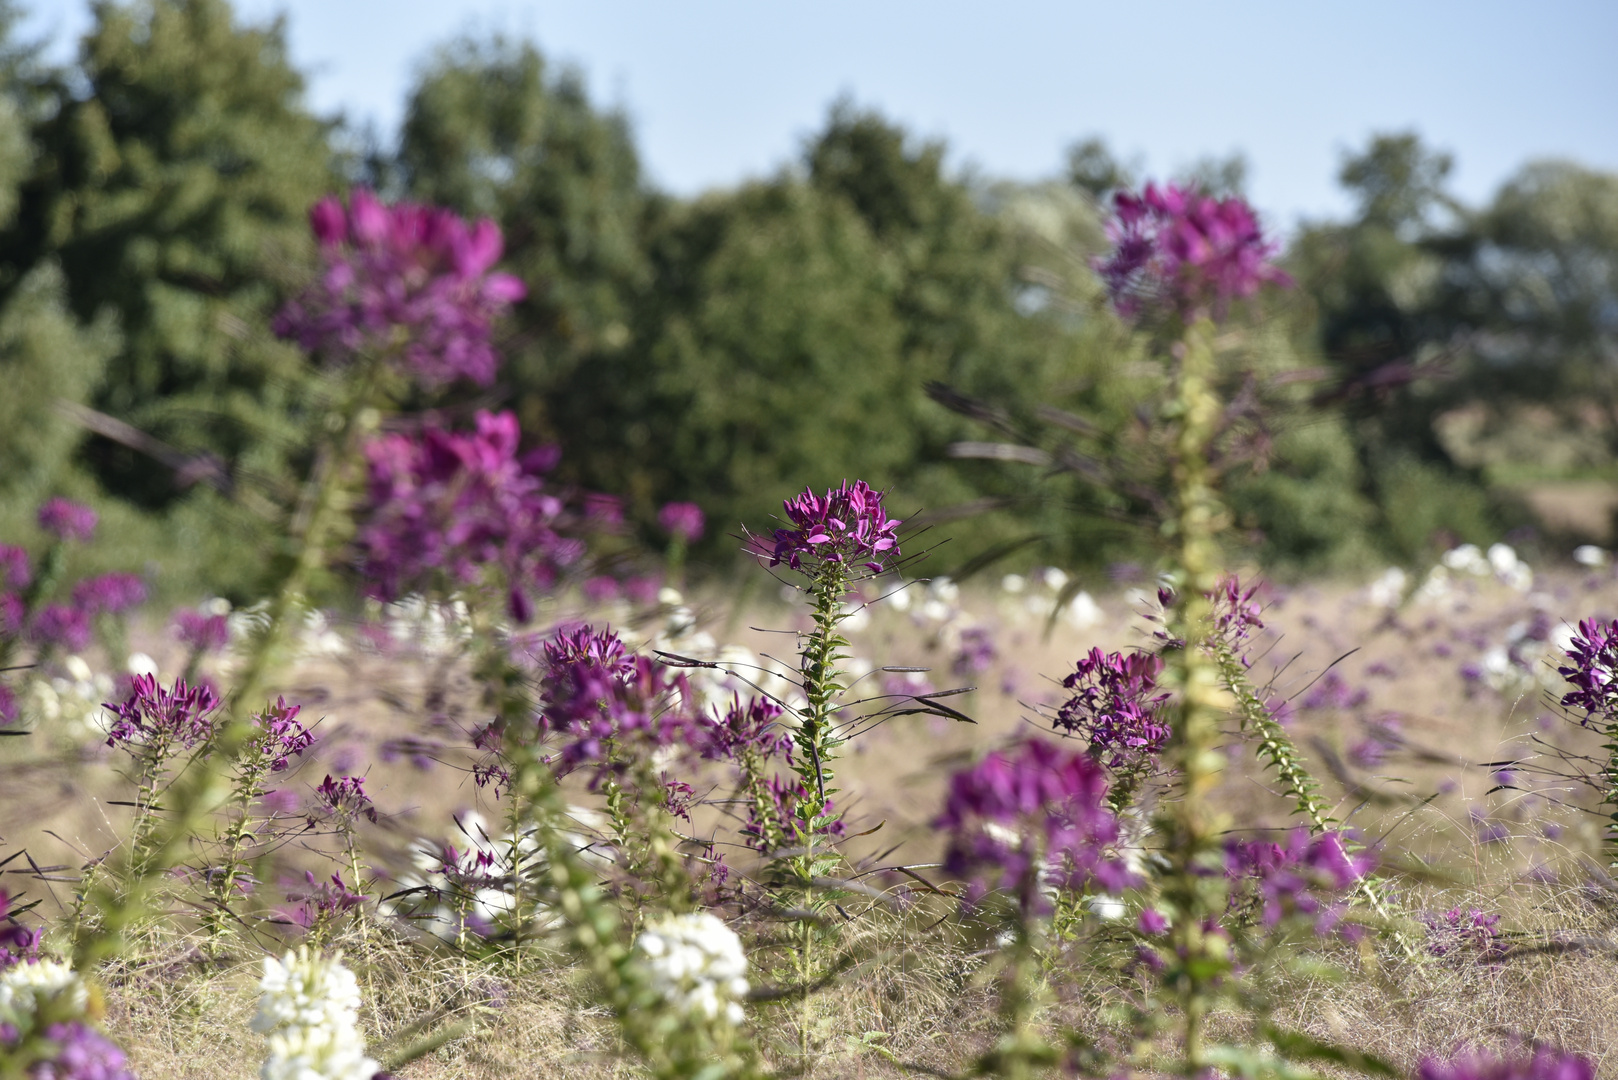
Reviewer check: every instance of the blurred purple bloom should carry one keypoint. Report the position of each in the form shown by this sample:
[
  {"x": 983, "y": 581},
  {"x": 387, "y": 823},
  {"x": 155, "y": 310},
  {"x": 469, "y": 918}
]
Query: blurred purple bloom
[
  {"x": 416, "y": 269},
  {"x": 1184, "y": 253},
  {"x": 1116, "y": 707},
  {"x": 184, "y": 714},
  {"x": 16, "y": 572},
  {"x": 447, "y": 504},
  {"x": 1593, "y": 670},
  {"x": 61, "y": 625},
  {"x": 8, "y": 705},
  {"x": 110, "y": 594},
  {"x": 601, "y": 589},
  {"x": 82, "y": 1053},
  {"x": 18, "y": 943},
  {"x": 1299, "y": 878},
  {"x": 67, "y": 520},
  {"x": 682, "y": 520},
  {"x": 1331, "y": 692},
  {"x": 1474, "y": 931},
  {"x": 1236, "y": 613},
  {"x": 976, "y": 653},
  {"x": 845, "y": 526},
  {"x": 1544, "y": 1063},
  {"x": 319, "y": 902},
  {"x": 1029, "y": 819},
  {"x": 203, "y": 633}
]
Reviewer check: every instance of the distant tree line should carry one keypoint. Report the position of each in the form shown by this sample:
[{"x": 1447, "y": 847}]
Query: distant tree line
[{"x": 733, "y": 347}]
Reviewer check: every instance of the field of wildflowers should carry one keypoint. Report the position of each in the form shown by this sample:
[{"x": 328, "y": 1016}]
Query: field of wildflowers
[{"x": 528, "y": 806}]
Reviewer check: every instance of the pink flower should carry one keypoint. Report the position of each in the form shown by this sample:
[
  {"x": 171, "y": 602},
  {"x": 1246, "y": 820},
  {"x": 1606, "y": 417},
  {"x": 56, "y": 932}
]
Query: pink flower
[
  {"x": 416, "y": 269},
  {"x": 67, "y": 520},
  {"x": 1186, "y": 253}
]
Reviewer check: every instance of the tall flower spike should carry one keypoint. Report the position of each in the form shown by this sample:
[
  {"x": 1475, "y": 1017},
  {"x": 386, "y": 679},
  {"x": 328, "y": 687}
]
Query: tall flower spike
[
  {"x": 846, "y": 526},
  {"x": 1181, "y": 252},
  {"x": 184, "y": 715},
  {"x": 404, "y": 268}
]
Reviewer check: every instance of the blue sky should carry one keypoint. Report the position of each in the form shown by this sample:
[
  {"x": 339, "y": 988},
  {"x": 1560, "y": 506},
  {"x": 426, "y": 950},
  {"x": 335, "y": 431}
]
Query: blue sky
[{"x": 720, "y": 91}]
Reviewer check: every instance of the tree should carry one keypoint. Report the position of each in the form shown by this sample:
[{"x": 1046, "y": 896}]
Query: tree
[{"x": 174, "y": 173}]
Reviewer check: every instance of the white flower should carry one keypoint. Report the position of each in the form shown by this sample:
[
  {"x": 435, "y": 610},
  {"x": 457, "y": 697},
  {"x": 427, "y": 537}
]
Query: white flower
[
  {"x": 309, "y": 1008},
  {"x": 23, "y": 985},
  {"x": 1083, "y": 612},
  {"x": 1589, "y": 555},
  {"x": 1467, "y": 559},
  {"x": 695, "y": 963},
  {"x": 1013, "y": 583},
  {"x": 141, "y": 664},
  {"x": 1387, "y": 590}
]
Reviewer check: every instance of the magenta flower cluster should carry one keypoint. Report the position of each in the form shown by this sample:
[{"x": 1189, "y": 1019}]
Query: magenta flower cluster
[
  {"x": 1117, "y": 707},
  {"x": 181, "y": 715},
  {"x": 1593, "y": 670},
  {"x": 1032, "y": 819},
  {"x": 67, "y": 520},
  {"x": 443, "y": 505},
  {"x": 844, "y": 527},
  {"x": 201, "y": 633},
  {"x": 1305, "y": 876},
  {"x": 413, "y": 278},
  {"x": 785, "y": 795},
  {"x": 281, "y": 737},
  {"x": 1541, "y": 1063},
  {"x": 82, "y": 1053},
  {"x": 601, "y": 702},
  {"x": 683, "y": 521},
  {"x": 751, "y": 726},
  {"x": 1473, "y": 931},
  {"x": 18, "y": 943},
  {"x": 345, "y": 797},
  {"x": 1177, "y": 251},
  {"x": 318, "y": 902}
]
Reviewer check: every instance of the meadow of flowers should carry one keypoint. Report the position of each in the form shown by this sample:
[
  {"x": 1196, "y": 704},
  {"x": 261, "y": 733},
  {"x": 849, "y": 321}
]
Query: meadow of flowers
[{"x": 529, "y": 806}]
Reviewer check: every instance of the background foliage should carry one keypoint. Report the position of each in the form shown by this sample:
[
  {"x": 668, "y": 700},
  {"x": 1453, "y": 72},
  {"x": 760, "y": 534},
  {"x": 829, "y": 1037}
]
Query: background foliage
[{"x": 1437, "y": 363}]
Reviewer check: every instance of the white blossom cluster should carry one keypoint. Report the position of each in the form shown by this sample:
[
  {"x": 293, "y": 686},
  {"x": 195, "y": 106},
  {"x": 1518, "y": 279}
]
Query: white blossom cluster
[
  {"x": 23, "y": 986},
  {"x": 695, "y": 963},
  {"x": 309, "y": 1009}
]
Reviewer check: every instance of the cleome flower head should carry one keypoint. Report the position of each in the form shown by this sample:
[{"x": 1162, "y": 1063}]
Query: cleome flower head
[
  {"x": 1181, "y": 252},
  {"x": 844, "y": 527},
  {"x": 1117, "y": 707},
  {"x": 309, "y": 1009},
  {"x": 445, "y": 505},
  {"x": 416, "y": 274},
  {"x": 1593, "y": 670},
  {"x": 183, "y": 715},
  {"x": 67, "y": 520},
  {"x": 1030, "y": 819},
  {"x": 695, "y": 964}
]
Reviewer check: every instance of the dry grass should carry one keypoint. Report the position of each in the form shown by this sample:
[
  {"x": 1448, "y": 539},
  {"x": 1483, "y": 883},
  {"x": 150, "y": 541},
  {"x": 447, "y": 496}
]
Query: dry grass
[{"x": 919, "y": 995}]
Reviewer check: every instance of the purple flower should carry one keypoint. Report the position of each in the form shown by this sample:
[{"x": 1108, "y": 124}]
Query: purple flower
[
  {"x": 184, "y": 715},
  {"x": 202, "y": 633},
  {"x": 110, "y": 594},
  {"x": 18, "y": 943},
  {"x": 784, "y": 795},
  {"x": 67, "y": 520},
  {"x": 977, "y": 652},
  {"x": 1473, "y": 930},
  {"x": 319, "y": 902},
  {"x": 82, "y": 1053},
  {"x": 1544, "y": 1063},
  {"x": 1299, "y": 878},
  {"x": 1029, "y": 819},
  {"x": 845, "y": 526},
  {"x": 601, "y": 701},
  {"x": 447, "y": 504},
  {"x": 682, "y": 520},
  {"x": 345, "y": 797},
  {"x": 1117, "y": 707},
  {"x": 16, "y": 572},
  {"x": 1593, "y": 670},
  {"x": 753, "y": 727},
  {"x": 61, "y": 625},
  {"x": 1236, "y": 613},
  {"x": 405, "y": 268},
  {"x": 1180, "y": 252},
  {"x": 1331, "y": 692},
  {"x": 280, "y": 736}
]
